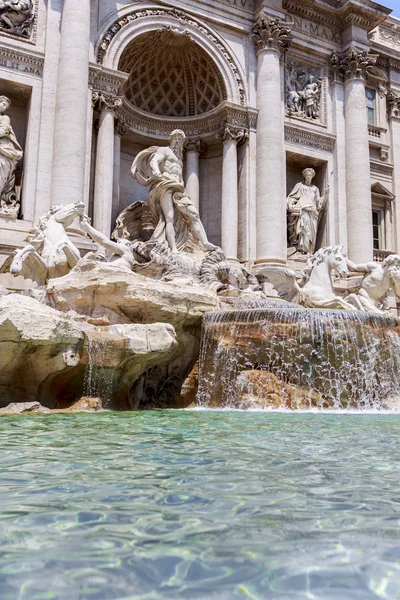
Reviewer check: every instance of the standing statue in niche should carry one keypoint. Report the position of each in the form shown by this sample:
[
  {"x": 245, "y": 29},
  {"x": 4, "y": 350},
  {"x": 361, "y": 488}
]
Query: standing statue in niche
[
  {"x": 178, "y": 221},
  {"x": 10, "y": 154},
  {"x": 305, "y": 207},
  {"x": 16, "y": 16}
]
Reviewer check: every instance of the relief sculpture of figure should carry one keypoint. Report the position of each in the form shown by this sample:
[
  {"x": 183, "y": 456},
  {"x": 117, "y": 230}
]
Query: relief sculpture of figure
[
  {"x": 10, "y": 154},
  {"x": 304, "y": 207},
  {"x": 178, "y": 221},
  {"x": 311, "y": 94},
  {"x": 16, "y": 16}
]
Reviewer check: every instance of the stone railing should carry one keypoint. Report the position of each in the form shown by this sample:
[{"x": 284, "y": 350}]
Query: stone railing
[
  {"x": 377, "y": 133},
  {"x": 380, "y": 255}
]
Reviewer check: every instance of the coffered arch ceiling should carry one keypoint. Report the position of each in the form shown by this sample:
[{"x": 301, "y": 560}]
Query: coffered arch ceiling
[{"x": 170, "y": 75}]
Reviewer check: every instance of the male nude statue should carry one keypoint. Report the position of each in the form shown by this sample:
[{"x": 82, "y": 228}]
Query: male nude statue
[{"x": 160, "y": 169}]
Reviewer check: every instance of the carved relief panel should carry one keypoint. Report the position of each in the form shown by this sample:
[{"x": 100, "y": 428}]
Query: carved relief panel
[
  {"x": 17, "y": 17},
  {"x": 305, "y": 91}
]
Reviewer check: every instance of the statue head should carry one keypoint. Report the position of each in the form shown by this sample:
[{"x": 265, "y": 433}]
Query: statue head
[
  {"x": 308, "y": 175},
  {"x": 5, "y": 103},
  {"x": 176, "y": 141},
  {"x": 391, "y": 265},
  {"x": 311, "y": 79}
]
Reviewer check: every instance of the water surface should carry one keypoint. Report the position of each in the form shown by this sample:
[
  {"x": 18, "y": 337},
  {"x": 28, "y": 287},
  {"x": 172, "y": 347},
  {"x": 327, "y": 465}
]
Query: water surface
[{"x": 200, "y": 504}]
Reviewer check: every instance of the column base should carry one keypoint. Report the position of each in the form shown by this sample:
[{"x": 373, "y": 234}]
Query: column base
[{"x": 262, "y": 264}]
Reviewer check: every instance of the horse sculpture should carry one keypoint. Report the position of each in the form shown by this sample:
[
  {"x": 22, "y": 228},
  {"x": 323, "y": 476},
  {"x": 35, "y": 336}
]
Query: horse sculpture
[
  {"x": 315, "y": 289},
  {"x": 49, "y": 252}
]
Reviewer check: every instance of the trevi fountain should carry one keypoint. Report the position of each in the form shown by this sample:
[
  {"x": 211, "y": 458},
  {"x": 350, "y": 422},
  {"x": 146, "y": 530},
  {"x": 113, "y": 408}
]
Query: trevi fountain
[{"x": 199, "y": 295}]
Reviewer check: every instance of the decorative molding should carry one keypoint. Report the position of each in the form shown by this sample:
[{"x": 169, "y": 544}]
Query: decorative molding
[
  {"x": 352, "y": 64},
  {"x": 381, "y": 168},
  {"x": 311, "y": 139},
  {"x": 272, "y": 34},
  {"x": 106, "y": 80},
  {"x": 20, "y": 22},
  {"x": 230, "y": 133},
  {"x": 20, "y": 61},
  {"x": 199, "y": 126},
  {"x": 182, "y": 18},
  {"x": 121, "y": 129}
]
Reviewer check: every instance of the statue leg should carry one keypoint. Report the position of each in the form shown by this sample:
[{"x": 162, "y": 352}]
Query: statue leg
[
  {"x": 167, "y": 206},
  {"x": 198, "y": 230},
  {"x": 72, "y": 254}
]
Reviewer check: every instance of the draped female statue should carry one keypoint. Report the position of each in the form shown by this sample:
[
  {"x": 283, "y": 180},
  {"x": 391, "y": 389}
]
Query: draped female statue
[
  {"x": 10, "y": 154},
  {"x": 304, "y": 206}
]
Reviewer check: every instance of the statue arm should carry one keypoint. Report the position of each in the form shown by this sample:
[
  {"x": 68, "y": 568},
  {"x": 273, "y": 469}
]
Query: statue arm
[
  {"x": 155, "y": 162},
  {"x": 101, "y": 239},
  {"x": 361, "y": 268},
  {"x": 5, "y": 126}
]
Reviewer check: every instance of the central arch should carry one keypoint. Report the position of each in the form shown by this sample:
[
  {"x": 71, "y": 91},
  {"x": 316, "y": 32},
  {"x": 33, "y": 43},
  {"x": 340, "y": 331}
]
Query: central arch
[{"x": 170, "y": 75}]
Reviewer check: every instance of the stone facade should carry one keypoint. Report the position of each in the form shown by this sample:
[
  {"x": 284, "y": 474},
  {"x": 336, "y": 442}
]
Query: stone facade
[{"x": 262, "y": 90}]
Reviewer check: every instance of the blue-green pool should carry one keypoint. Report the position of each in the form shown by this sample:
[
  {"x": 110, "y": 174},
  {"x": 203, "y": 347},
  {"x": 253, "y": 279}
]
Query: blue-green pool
[{"x": 207, "y": 504}]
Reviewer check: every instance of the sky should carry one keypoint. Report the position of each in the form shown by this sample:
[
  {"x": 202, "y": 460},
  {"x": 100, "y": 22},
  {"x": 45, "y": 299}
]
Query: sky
[{"x": 393, "y": 4}]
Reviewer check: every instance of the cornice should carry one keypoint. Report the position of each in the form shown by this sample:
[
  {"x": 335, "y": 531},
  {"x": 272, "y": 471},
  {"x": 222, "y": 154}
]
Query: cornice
[
  {"x": 311, "y": 139},
  {"x": 106, "y": 80},
  {"x": 209, "y": 123}
]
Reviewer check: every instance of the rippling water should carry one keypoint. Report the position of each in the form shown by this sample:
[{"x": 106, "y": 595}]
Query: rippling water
[{"x": 206, "y": 504}]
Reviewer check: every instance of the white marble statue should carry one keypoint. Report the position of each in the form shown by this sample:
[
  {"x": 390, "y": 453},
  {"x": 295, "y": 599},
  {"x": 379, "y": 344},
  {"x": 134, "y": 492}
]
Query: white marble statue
[
  {"x": 160, "y": 169},
  {"x": 120, "y": 251},
  {"x": 311, "y": 95},
  {"x": 304, "y": 207},
  {"x": 16, "y": 16},
  {"x": 49, "y": 253},
  {"x": 379, "y": 278},
  {"x": 315, "y": 289},
  {"x": 10, "y": 154}
]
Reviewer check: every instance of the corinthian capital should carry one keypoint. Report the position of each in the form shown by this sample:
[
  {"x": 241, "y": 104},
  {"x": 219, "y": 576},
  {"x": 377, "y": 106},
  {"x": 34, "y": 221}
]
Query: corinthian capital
[
  {"x": 393, "y": 105},
  {"x": 352, "y": 64},
  {"x": 271, "y": 33},
  {"x": 102, "y": 101},
  {"x": 229, "y": 132},
  {"x": 196, "y": 145}
]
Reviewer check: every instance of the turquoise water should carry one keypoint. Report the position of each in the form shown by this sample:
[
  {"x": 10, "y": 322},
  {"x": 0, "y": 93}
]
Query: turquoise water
[{"x": 206, "y": 505}]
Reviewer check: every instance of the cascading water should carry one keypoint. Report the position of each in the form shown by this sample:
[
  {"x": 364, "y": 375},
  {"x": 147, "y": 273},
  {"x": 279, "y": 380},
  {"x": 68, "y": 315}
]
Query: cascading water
[
  {"x": 299, "y": 359},
  {"x": 99, "y": 378}
]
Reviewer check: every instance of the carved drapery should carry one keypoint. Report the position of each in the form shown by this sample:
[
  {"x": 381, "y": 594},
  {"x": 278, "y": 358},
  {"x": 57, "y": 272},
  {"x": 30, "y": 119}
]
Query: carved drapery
[
  {"x": 271, "y": 34},
  {"x": 352, "y": 64}
]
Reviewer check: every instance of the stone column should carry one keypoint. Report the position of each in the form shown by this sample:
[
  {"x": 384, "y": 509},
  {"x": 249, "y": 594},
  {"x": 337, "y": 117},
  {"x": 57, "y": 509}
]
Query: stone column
[
  {"x": 104, "y": 172},
  {"x": 352, "y": 66},
  {"x": 120, "y": 131},
  {"x": 394, "y": 114},
  {"x": 230, "y": 136},
  {"x": 68, "y": 169},
  {"x": 271, "y": 37},
  {"x": 194, "y": 149}
]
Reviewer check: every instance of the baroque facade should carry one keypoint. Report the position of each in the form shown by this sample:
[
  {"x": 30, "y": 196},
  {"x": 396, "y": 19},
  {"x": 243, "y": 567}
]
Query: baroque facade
[{"x": 291, "y": 112}]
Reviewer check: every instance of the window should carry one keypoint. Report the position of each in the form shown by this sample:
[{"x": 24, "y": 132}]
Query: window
[
  {"x": 377, "y": 229},
  {"x": 371, "y": 106}
]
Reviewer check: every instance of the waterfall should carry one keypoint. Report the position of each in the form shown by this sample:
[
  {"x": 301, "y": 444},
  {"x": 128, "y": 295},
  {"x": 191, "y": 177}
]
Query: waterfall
[
  {"x": 99, "y": 378},
  {"x": 297, "y": 358}
]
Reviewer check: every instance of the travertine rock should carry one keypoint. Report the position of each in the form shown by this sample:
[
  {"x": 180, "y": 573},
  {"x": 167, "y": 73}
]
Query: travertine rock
[
  {"x": 36, "y": 342},
  {"x": 47, "y": 357},
  {"x": 101, "y": 290}
]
